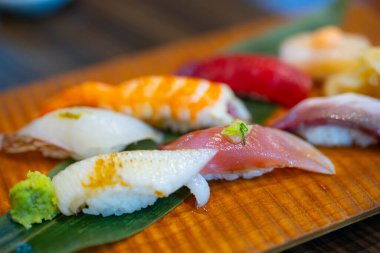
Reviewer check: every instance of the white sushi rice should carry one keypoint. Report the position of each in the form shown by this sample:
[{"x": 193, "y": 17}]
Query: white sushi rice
[
  {"x": 116, "y": 201},
  {"x": 333, "y": 135},
  {"x": 248, "y": 174},
  {"x": 143, "y": 177},
  {"x": 215, "y": 115}
]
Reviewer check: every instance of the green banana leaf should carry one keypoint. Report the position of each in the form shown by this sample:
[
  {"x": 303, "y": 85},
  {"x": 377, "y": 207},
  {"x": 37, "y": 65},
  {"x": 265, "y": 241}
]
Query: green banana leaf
[{"x": 69, "y": 234}]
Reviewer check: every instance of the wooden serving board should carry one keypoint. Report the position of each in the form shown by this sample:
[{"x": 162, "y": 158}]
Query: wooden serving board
[{"x": 273, "y": 212}]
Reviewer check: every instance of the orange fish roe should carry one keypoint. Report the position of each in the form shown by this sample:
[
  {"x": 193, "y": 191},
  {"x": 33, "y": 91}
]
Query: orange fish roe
[{"x": 105, "y": 173}]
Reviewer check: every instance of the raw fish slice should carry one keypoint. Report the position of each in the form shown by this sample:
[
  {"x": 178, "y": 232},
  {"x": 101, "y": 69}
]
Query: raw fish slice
[
  {"x": 355, "y": 114},
  {"x": 265, "y": 149},
  {"x": 257, "y": 76},
  {"x": 125, "y": 182},
  {"x": 177, "y": 103},
  {"x": 79, "y": 132}
]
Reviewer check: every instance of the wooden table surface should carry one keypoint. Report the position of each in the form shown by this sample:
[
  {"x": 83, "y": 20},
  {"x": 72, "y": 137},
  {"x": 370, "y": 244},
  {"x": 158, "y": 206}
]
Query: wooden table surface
[{"x": 364, "y": 235}]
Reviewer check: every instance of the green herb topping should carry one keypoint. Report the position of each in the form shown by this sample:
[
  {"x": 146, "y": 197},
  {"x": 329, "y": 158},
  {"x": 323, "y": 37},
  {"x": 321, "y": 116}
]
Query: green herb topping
[{"x": 237, "y": 131}]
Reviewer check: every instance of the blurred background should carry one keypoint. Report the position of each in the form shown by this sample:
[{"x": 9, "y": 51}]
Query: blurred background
[{"x": 40, "y": 38}]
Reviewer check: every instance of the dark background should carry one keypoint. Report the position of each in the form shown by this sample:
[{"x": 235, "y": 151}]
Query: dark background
[{"x": 90, "y": 31}]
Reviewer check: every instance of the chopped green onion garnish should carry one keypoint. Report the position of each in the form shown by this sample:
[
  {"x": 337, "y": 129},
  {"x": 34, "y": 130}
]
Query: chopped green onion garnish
[{"x": 236, "y": 131}]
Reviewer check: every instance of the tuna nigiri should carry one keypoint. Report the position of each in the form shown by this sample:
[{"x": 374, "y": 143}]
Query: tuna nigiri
[
  {"x": 177, "y": 103},
  {"x": 257, "y": 76},
  {"x": 262, "y": 150},
  {"x": 125, "y": 182},
  {"x": 341, "y": 120},
  {"x": 79, "y": 132}
]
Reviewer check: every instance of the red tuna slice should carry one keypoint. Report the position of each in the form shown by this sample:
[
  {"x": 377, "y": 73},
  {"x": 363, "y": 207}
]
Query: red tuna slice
[
  {"x": 257, "y": 76},
  {"x": 265, "y": 148}
]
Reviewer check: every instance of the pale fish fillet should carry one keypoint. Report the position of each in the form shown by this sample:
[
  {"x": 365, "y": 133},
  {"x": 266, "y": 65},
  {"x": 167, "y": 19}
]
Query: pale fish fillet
[
  {"x": 80, "y": 132},
  {"x": 125, "y": 182}
]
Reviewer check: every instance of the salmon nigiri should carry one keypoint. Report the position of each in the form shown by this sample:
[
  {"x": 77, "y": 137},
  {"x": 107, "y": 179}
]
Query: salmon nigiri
[
  {"x": 178, "y": 103},
  {"x": 250, "y": 151}
]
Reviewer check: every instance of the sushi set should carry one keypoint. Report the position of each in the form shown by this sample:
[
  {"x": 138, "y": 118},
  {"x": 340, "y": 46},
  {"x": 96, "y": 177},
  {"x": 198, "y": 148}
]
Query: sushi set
[{"x": 292, "y": 175}]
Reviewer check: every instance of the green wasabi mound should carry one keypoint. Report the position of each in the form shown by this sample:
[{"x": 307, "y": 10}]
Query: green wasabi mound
[{"x": 33, "y": 200}]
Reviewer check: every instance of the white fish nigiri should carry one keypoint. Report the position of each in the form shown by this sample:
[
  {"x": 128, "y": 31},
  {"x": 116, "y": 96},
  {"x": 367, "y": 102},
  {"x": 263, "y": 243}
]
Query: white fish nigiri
[
  {"x": 79, "y": 132},
  {"x": 118, "y": 183}
]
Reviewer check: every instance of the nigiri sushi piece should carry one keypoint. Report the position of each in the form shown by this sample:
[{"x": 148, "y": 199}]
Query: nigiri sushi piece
[
  {"x": 259, "y": 150},
  {"x": 118, "y": 183},
  {"x": 342, "y": 120},
  {"x": 256, "y": 76},
  {"x": 363, "y": 78},
  {"x": 177, "y": 103},
  {"x": 79, "y": 132},
  {"x": 323, "y": 52}
]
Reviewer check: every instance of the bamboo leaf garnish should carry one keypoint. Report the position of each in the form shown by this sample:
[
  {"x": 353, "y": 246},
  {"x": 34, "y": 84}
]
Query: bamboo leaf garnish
[{"x": 237, "y": 131}]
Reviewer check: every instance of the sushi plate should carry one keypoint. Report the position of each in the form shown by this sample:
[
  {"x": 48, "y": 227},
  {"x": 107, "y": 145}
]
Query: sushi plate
[{"x": 273, "y": 212}]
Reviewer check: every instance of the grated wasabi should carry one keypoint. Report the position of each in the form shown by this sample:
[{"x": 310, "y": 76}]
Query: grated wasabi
[{"x": 33, "y": 200}]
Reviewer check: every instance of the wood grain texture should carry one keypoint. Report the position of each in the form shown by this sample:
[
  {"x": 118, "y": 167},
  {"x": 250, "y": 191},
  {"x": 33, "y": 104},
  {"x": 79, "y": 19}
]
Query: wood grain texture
[{"x": 273, "y": 212}]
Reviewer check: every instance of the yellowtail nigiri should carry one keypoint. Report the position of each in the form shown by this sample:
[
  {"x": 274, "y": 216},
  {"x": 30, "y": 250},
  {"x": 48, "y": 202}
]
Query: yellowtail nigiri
[{"x": 251, "y": 150}]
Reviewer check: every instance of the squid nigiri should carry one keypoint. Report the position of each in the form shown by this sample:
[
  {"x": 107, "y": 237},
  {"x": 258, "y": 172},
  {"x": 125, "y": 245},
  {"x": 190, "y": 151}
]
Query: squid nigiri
[
  {"x": 257, "y": 76},
  {"x": 118, "y": 183},
  {"x": 178, "y": 103},
  {"x": 324, "y": 52},
  {"x": 342, "y": 120},
  {"x": 79, "y": 132},
  {"x": 259, "y": 150}
]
